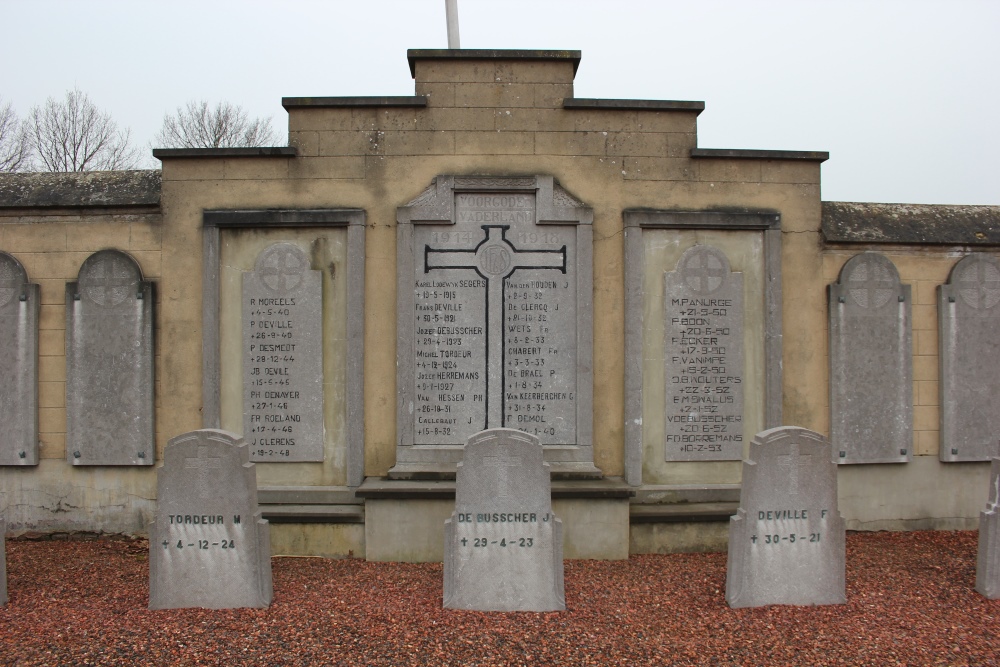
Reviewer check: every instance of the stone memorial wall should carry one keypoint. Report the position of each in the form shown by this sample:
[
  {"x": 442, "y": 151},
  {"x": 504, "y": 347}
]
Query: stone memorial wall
[
  {"x": 208, "y": 546},
  {"x": 283, "y": 357},
  {"x": 871, "y": 363},
  {"x": 968, "y": 321},
  {"x": 494, "y": 320},
  {"x": 3, "y": 562},
  {"x": 19, "y": 308},
  {"x": 786, "y": 542},
  {"x": 703, "y": 304},
  {"x": 503, "y": 545},
  {"x": 109, "y": 363},
  {"x": 988, "y": 560}
]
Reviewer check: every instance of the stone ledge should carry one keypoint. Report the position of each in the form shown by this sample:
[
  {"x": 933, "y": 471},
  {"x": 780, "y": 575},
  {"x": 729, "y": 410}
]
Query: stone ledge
[
  {"x": 379, "y": 488},
  {"x": 413, "y": 55},
  {"x": 352, "y": 102},
  {"x": 307, "y": 495},
  {"x": 679, "y": 494},
  {"x": 682, "y": 512},
  {"x": 749, "y": 154},
  {"x": 862, "y": 222},
  {"x": 81, "y": 189},
  {"x": 260, "y": 151},
  {"x": 313, "y": 513},
  {"x": 632, "y": 105}
]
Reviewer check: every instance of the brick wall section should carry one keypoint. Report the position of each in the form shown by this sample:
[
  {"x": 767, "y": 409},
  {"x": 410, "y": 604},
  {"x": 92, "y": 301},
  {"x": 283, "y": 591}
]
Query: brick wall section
[{"x": 51, "y": 223}]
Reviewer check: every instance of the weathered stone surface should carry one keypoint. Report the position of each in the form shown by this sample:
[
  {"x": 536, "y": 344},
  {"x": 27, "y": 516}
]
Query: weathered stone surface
[
  {"x": 19, "y": 307},
  {"x": 786, "y": 542},
  {"x": 109, "y": 363},
  {"x": 968, "y": 321},
  {"x": 871, "y": 363},
  {"x": 89, "y": 188},
  {"x": 3, "y": 562},
  {"x": 864, "y": 222},
  {"x": 283, "y": 357},
  {"x": 503, "y": 545},
  {"x": 494, "y": 320},
  {"x": 988, "y": 561},
  {"x": 208, "y": 546},
  {"x": 703, "y": 332}
]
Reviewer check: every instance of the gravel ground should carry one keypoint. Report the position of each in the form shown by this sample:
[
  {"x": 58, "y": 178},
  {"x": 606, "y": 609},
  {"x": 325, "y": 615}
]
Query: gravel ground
[{"x": 910, "y": 601}]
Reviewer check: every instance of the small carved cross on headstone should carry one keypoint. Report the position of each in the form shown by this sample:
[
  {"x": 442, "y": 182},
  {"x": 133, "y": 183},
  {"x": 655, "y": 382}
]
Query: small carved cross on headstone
[
  {"x": 979, "y": 284},
  {"x": 203, "y": 464},
  {"x": 502, "y": 463},
  {"x": 789, "y": 465},
  {"x": 703, "y": 271},
  {"x": 871, "y": 284}
]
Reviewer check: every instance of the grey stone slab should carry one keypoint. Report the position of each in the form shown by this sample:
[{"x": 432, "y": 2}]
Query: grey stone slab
[
  {"x": 503, "y": 545},
  {"x": 988, "y": 561},
  {"x": 787, "y": 540},
  {"x": 968, "y": 321},
  {"x": 109, "y": 363},
  {"x": 871, "y": 363},
  {"x": 283, "y": 357},
  {"x": 494, "y": 320},
  {"x": 3, "y": 562},
  {"x": 208, "y": 546},
  {"x": 703, "y": 334},
  {"x": 19, "y": 307}
]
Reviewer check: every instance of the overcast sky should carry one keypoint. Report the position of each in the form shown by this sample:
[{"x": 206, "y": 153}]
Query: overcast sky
[{"x": 905, "y": 95}]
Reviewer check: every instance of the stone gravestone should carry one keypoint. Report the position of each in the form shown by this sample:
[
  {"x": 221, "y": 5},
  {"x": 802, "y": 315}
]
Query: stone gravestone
[
  {"x": 494, "y": 321},
  {"x": 3, "y": 562},
  {"x": 19, "y": 303},
  {"x": 109, "y": 363},
  {"x": 786, "y": 542},
  {"x": 703, "y": 307},
  {"x": 871, "y": 363},
  {"x": 503, "y": 546},
  {"x": 208, "y": 546},
  {"x": 988, "y": 561},
  {"x": 283, "y": 357},
  {"x": 968, "y": 321}
]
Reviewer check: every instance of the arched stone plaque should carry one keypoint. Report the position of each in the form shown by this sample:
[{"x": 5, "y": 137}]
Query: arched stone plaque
[
  {"x": 871, "y": 363},
  {"x": 109, "y": 363},
  {"x": 703, "y": 332},
  {"x": 968, "y": 322},
  {"x": 283, "y": 357},
  {"x": 19, "y": 304}
]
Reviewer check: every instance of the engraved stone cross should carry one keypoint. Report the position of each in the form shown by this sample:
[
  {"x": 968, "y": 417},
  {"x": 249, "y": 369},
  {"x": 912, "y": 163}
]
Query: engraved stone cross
[
  {"x": 502, "y": 463},
  {"x": 790, "y": 463},
  {"x": 870, "y": 285},
  {"x": 495, "y": 259},
  {"x": 108, "y": 282},
  {"x": 979, "y": 284},
  {"x": 203, "y": 464},
  {"x": 703, "y": 271}
]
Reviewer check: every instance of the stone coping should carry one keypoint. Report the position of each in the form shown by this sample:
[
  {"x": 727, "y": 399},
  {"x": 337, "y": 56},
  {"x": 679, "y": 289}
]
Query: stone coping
[
  {"x": 260, "y": 151},
  {"x": 418, "y": 101},
  {"x": 632, "y": 105},
  {"x": 413, "y": 55},
  {"x": 751, "y": 154},
  {"x": 139, "y": 188},
  {"x": 863, "y": 222},
  {"x": 682, "y": 512},
  {"x": 380, "y": 488},
  {"x": 313, "y": 513}
]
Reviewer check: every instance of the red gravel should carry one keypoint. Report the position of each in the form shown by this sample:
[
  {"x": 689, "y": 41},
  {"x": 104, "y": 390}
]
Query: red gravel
[{"x": 910, "y": 601}]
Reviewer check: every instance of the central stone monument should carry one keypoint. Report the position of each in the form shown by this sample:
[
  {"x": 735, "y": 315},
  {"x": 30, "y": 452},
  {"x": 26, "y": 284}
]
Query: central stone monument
[
  {"x": 503, "y": 545},
  {"x": 494, "y": 321}
]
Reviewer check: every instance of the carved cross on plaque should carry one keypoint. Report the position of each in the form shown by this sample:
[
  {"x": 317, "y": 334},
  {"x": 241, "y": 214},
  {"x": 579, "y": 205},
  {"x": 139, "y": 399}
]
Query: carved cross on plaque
[
  {"x": 502, "y": 463},
  {"x": 789, "y": 464},
  {"x": 870, "y": 284},
  {"x": 203, "y": 464},
  {"x": 495, "y": 259},
  {"x": 703, "y": 271},
  {"x": 979, "y": 284},
  {"x": 109, "y": 282}
]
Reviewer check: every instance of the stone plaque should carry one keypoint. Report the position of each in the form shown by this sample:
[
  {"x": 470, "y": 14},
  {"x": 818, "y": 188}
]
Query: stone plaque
[
  {"x": 968, "y": 321},
  {"x": 787, "y": 540},
  {"x": 283, "y": 357},
  {"x": 19, "y": 303},
  {"x": 988, "y": 561},
  {"x": 703, "y": 331},
  {"x": 491, "y": 306},
  {"x": 3, "y": 562},
  {"x": 208, "y": 546},
  {"x": 109, "y": 363},
  {"x": 503, "y": 546},
  {"x": 871, "y": 363}
]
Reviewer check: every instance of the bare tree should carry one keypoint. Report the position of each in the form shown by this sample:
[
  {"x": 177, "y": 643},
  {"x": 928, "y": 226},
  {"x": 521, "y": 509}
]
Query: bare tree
[
  {"x": 74, "y": 135},
  {"x": 225, "y": 126},
  {"x": 15, "y": 144}
]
